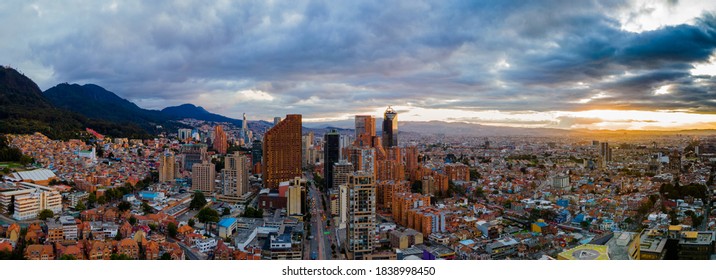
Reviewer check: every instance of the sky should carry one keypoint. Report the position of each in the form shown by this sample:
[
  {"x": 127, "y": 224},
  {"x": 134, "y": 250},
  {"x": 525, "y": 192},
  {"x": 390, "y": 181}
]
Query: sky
[{"x": 559, "y": 64}]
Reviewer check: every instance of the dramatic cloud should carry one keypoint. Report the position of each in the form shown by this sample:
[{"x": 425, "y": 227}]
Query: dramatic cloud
[{"x": 330, "y": 60}]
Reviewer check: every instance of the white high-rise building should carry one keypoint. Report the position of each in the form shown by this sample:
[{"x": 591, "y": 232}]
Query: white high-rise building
[{"x": 361, "y": 226}]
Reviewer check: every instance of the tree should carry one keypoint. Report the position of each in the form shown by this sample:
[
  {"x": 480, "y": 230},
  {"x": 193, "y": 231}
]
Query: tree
[
  {"x": 11, "y": 206},
  {"x": 191, "y": 222},
  {"x": 208, "y": 215},
  {"x": 132, "y": 220},
  {"x": 80, "y": 206},
  {"x": 172, "y": 230},
  {"x": 45, "y": 214},
  {"x": 102, "y": 200},
  {"x": 417, "y": 187},
  {"x": 68, "y": 257},
  {"x": 119, "y": 236},
  {"x": 153, "y": 226},
  {"x": 92, "y": 199},
  {"x": 250, "y": 212},
  {"x": 198, "y": 201},
  {"x": 166, "y": 257},
  {"x": 119, "y": 257},
  {"x": 146, "y": 208},
  {"x": 124, "y": 206},
  {"x": 479, "y": 192},
  {"x": 226, "y": 212}
]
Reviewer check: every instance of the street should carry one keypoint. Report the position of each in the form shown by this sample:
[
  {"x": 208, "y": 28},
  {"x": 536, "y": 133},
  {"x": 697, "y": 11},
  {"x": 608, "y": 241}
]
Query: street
[
  {"x": 321, "y": 242},
  {"x": 191, "y": 254}
]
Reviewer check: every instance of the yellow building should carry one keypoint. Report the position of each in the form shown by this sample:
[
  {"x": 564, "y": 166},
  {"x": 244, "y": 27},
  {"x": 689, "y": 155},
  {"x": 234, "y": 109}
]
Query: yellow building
[{"x": 648, "y": 245}]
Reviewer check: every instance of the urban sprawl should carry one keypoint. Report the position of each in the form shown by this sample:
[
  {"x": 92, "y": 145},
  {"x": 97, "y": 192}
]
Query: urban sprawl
[{"x": 219, "y": 191}]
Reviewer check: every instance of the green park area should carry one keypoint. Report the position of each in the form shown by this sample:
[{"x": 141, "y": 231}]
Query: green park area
[{"x": 7, "y": 167}]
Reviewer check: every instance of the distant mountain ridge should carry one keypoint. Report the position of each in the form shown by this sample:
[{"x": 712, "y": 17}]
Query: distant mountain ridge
[
  {"x": 94, "y": 101},
  {"x": 190, "y": 111},
  {"x": 25, "y": 109}
]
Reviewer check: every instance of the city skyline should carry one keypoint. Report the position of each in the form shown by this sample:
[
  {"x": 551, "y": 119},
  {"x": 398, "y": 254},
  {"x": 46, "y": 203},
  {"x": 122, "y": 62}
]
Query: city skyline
[{"x": 616, "y": 65}]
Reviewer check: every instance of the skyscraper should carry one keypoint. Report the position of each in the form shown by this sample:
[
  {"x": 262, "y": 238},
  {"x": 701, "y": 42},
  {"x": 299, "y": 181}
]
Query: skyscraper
[
  {"x": 202, "y": 177},
  {"x": 244, "y": 133},
  {"x": 294, "y": 200},
  {"x": 341, "y": 170},
  {"x": 191, "y": 154},
  {"x": 307, "y": 156},
  {"x": 361, "y": 214},
  {"x": 411, "y": 161},
  {"x": 390, "y": 128},
  {"x": 256, "y": 152},
  {"x": 166, "y": 167},
  {"x": 282, "y": 151},
  {"x": 365, "y": 130},
  {"x": 184, "y": 134},
  {"x": 220, "y": 143},
  {"x": 331, "y": 155},
  {"x": 235, "y": 175},
  {"x": 605, "y": 153}
]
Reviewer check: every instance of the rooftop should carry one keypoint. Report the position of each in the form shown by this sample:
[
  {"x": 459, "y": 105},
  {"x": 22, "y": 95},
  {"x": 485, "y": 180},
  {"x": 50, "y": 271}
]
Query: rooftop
[
  {"x": 39, "y": 174},
  {"x": 697, "y": 237},
  {"x": 652, "y": 241},
  {"x": 227, "y": 222}
]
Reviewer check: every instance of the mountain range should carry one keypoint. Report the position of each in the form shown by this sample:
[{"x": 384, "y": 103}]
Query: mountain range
[
  {"x": 25, "y": 109},
  {"x": 66, "y": 109}
]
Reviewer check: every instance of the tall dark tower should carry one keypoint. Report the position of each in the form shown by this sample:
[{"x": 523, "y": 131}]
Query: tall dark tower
[
  {"x": 390, "y": 128},
  {"x": 331, "y": 155}
]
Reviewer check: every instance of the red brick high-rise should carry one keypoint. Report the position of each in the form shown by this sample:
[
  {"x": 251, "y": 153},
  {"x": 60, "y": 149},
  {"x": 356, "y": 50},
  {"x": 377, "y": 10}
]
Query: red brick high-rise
[
  {"x": 365, "y": 130},
  {"x": 282, "y": 151},
  {"x": 411, "y": 161},
  {"x": 220, "y": 142}
]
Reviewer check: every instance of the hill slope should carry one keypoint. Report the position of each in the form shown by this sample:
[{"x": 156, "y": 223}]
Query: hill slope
[
  {"x": 190, "y": 111},
  {"x": 96, "y": 102},
  {"x": 24, "y": 109}
]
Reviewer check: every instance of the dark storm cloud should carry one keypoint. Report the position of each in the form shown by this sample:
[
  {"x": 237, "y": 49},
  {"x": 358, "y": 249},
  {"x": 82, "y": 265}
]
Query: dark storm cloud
[{"x": 324, "y": 59}]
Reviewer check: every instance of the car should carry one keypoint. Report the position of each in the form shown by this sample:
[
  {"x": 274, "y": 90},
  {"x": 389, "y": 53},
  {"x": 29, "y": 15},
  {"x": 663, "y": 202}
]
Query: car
[{"x": 314, "y": 255}]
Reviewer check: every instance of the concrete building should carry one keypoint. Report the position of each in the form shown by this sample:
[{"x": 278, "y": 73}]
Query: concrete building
[
  {"x": 76, "y": 197},
  {"x": 69, "y": 227},
  {"x": 166, "y": 167},
  {"x": 191, "y": 154},
  {"x": 340, "y": 173},
  {"x": 650, "y": 244},
  {"x": 235, "y": 175},
  {"x": 30, "y": 199},
  {"x": 696, "y": 245},
  {"x": 202, "y": 177},
  {"x": 361, "y": 214},
  {"x": 405, "y": 239},
  {"x": 307, "y": 150},
  {"x": 560, "y": 181},
  {"x": 294, "y": 199},
  {"x": 184, "y": 134}
]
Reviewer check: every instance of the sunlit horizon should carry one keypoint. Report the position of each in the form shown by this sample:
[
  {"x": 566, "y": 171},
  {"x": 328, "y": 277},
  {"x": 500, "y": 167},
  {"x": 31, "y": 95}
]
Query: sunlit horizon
[{"x": 588, "y": 119}]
